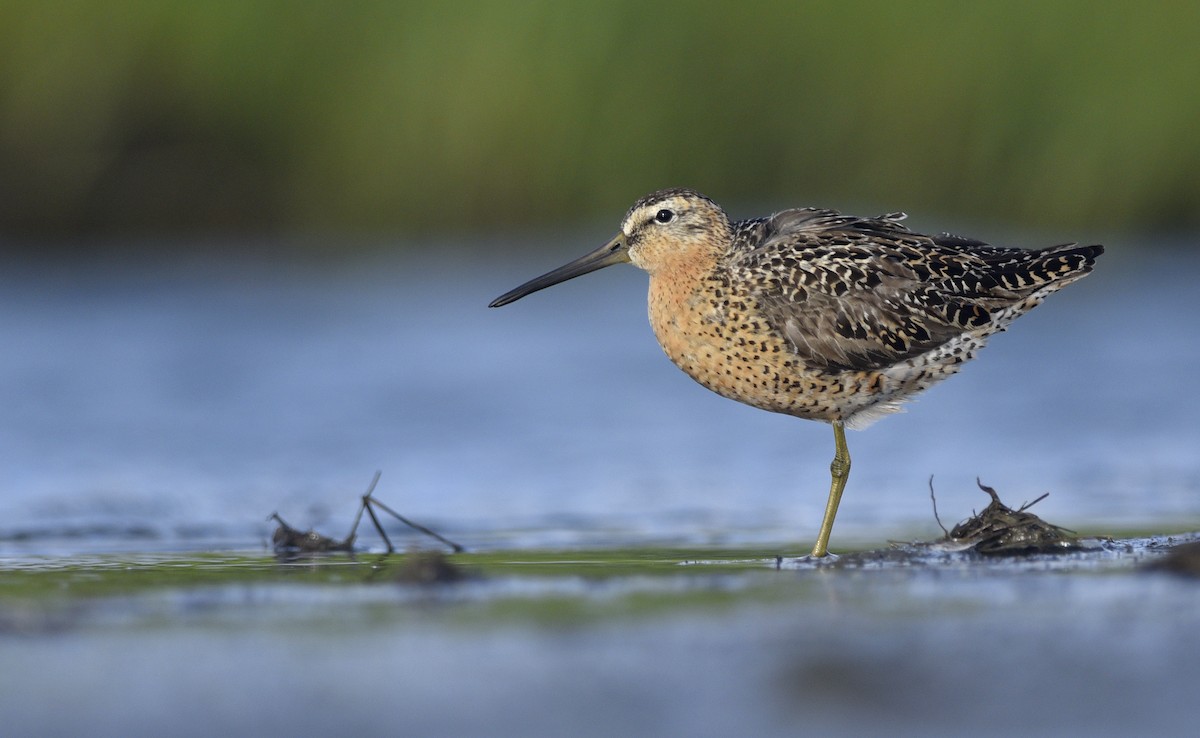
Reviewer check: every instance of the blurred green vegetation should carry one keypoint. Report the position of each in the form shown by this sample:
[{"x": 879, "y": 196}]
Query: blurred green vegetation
[{"x": 166, "y": 116}]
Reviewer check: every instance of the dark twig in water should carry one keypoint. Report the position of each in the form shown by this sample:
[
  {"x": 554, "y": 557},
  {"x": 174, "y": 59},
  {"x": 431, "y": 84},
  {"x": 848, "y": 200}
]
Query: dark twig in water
[
  {"x": 378, "y": 527},
  {"x": 1027, "y": 505},
  {"x": 366, "y": 505},
  {"x": 933, "y": 498},
  {"x": 456, "y": 547},
  {"x": 996, "y": 497},
  {"x": 358, "y": 515},
  {"x": 287, "y": 538}
]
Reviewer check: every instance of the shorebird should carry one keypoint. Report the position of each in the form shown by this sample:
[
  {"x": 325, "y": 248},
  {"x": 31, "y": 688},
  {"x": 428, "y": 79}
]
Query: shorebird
[{"x": 816, "y": 314}]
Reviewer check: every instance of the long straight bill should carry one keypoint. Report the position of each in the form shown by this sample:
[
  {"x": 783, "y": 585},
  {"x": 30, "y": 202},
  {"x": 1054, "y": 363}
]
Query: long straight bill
[{"x": 613, "y": 252}]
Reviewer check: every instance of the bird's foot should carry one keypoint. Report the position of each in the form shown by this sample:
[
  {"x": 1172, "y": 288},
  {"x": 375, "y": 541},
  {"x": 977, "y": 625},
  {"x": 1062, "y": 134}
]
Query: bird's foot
[{"x": 807, "y": 561}]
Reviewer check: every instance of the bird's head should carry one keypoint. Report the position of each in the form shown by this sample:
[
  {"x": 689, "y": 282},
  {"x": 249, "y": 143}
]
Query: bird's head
[{"x": 661, "y": 229}]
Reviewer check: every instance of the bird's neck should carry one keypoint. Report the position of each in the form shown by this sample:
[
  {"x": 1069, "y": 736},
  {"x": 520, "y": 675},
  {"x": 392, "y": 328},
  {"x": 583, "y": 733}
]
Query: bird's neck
[
  {"x": 676, "y": 279},
  {"x": 677, "y": 301}
]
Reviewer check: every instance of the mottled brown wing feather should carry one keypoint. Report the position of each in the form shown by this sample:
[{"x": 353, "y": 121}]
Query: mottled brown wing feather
[
  {"x": 837, "y": 326},
  {"x": 859, "y": 294}
]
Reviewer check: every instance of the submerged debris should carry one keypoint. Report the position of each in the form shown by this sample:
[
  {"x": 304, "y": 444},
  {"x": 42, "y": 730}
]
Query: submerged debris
[
  {"x": 429, "y": 567},
  {"x": 1182, "y": 559},
  {"x": 1000, "y": 530},
  {"x": 287, "y": 539}
]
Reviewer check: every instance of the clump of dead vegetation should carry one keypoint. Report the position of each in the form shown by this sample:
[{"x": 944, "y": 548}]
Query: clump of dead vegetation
[{"x": 999, "y": 530}]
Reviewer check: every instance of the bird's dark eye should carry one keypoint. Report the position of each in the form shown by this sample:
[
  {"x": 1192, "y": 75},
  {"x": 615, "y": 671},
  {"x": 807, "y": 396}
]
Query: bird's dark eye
[{"x": 664, "y": 216}]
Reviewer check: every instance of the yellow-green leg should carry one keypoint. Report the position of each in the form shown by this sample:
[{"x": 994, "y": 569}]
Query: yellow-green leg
[{"x": 840, "y": 471}]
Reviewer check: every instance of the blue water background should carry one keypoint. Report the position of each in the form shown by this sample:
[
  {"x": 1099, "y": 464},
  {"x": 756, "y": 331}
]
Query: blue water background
[{"x": 174, "y": 402}]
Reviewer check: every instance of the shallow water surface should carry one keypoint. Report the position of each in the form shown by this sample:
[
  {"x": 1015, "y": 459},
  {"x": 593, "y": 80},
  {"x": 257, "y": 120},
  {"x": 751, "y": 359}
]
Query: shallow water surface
[{"x": 711, "y": 642}]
